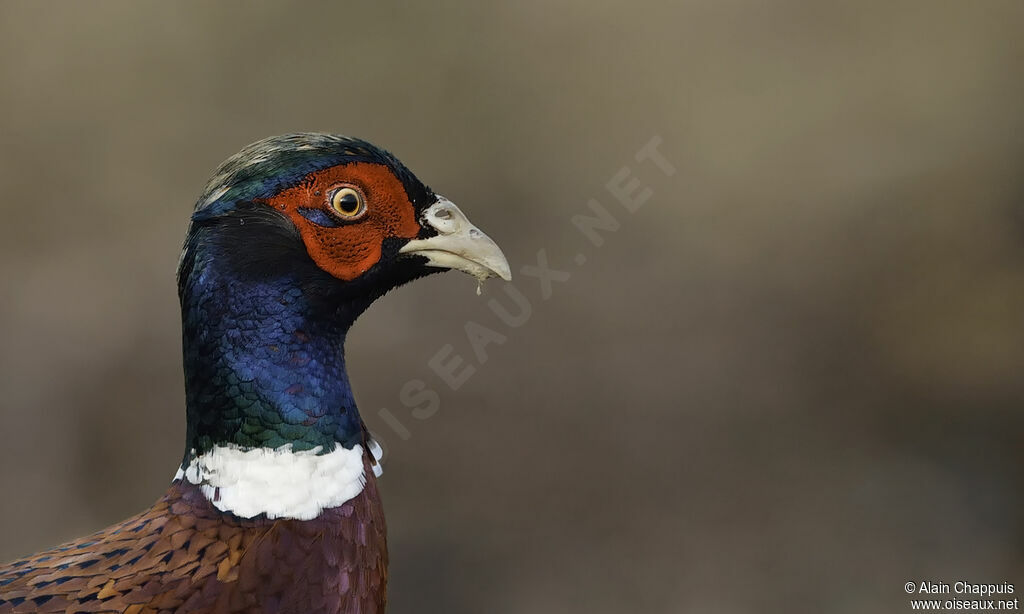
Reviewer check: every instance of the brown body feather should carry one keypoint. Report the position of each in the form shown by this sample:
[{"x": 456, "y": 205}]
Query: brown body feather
[{"x": 184, "y": 555}]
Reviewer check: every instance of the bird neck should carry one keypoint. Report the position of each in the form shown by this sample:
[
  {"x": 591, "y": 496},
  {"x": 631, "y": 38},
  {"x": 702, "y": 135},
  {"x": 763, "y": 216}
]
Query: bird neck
[{"x": 264, "y": 364}]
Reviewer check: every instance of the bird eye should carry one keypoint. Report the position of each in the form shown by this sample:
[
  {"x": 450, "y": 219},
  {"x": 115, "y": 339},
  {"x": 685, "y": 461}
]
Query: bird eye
[{"x": 348, "y": 202}]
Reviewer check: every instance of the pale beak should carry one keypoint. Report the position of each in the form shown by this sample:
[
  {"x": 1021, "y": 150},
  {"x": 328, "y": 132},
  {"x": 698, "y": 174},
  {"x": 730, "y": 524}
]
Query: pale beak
[{"x": 458, "y": 244}]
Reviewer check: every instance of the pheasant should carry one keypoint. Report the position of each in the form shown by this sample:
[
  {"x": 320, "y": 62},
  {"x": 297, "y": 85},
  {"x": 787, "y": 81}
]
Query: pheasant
[{"x": 274, "y": 507}]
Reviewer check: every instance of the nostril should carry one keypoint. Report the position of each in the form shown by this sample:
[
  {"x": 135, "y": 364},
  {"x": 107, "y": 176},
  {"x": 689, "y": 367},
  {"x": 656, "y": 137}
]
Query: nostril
[
  {"x": 476, "y": 234},
  {"x": 443, "y": 214}
]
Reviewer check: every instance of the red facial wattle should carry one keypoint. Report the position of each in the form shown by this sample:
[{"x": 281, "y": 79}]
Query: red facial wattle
[{"x": 351, "y": 247}]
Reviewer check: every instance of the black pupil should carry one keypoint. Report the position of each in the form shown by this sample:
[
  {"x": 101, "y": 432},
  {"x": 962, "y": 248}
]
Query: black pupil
[{"x": 348, "y": 203}]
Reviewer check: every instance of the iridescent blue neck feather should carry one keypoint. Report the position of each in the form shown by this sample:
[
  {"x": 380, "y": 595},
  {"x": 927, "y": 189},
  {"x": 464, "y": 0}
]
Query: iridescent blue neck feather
[{"x": 263, "y": 356}]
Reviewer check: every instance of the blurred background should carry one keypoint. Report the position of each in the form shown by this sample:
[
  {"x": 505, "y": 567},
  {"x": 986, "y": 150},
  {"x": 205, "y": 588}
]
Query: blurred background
[{"x": 791, "y": 381}]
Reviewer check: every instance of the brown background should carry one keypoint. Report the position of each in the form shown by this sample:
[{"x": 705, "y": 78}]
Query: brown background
[{"x": 790, "y": 382}]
